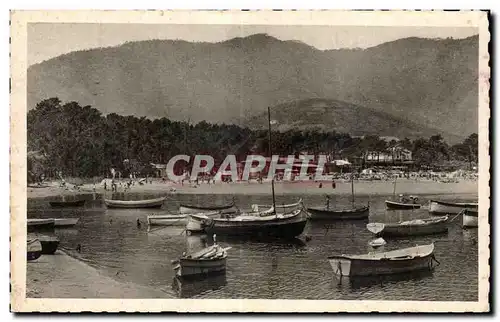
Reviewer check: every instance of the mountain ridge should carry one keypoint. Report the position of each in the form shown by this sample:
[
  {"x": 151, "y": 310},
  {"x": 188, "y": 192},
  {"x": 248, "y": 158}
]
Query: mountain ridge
[{"x": 427, "y": 81}]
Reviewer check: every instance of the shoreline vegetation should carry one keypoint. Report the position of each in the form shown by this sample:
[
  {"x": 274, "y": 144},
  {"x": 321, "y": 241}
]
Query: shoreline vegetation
[{"x": 362, "y": 188}]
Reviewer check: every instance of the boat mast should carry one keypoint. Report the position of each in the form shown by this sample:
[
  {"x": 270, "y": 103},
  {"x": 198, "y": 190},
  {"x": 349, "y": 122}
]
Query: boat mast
[
  {"x": 352, "y": 188},
  {"x": 394, "y": 191},
  {"x": 271, "y": 155}
]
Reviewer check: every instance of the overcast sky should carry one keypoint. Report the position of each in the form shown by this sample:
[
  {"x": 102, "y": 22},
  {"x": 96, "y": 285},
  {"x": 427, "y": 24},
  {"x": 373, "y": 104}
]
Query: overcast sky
[{"x": 48, "y": 40}]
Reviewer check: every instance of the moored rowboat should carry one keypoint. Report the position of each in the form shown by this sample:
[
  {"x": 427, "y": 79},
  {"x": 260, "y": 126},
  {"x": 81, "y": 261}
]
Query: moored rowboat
[
  {"x": 359, "y": 213},
  {"x": 469, "y": 218},
  {"x": 148, "y": 203},
  {"x": 402, "y": 206},
  {"x": 66, "y": 204},
  {"x": 391, "y": 262},
  {"x": 40, "y": 225},
  {"x": 167, "y": 220},
  {"x": 207, "y": 261},
  {"x": 34, "y": 249},
  {"x": 271, "y": 225},
  {"x": 65, "y": 222},
  {"x": 415, "y": 227},
  {"x": 442, "y": 207},
  {"x": 49, "y": 244},
  {"x": 189, "y": 209}
]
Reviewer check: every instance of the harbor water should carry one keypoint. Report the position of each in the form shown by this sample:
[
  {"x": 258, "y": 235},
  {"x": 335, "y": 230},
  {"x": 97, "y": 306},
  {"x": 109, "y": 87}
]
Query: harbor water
[{"x": 114, "y": 243}]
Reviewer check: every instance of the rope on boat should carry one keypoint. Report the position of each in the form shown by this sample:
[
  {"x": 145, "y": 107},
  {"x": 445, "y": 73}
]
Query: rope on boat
[{"x": 434, "y": 259}]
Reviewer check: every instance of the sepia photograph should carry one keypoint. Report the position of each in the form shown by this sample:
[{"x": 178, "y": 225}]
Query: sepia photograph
[{"x": 334, "y": 159}]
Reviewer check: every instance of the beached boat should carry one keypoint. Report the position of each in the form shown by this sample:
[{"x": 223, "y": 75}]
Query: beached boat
[
  {"x": 65, "y": 222},
  {"x": 384, "y": 263},
  {"x": 268, "y": 224},
  {"x": 190, "y": 209},
  {"x": 469, "y": 218},
  {"x": 167, "y": 220},
  {"x": 444, "y": 207},
  {"x": 67, "y": 204},
  {"x": 49, "y": 244},
  {"x": 34, "y": 249},
  {"x": 427, "y": 226},
  {"x": 207, "y": 261},
  {"x": 148, "y": 203},
  {"x": 35, "y": 225}
]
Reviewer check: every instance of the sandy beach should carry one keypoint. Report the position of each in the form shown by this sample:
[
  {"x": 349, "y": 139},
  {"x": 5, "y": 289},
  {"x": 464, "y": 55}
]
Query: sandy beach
[
  {"x": 62, "y": 276},
  {"x": 362, "y": 188}
]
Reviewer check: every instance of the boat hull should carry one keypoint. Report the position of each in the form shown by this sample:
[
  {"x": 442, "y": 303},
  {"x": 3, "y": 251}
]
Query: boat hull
[
  {"x": 359, "y": 267},
  {"x": 398, "y": 230},
  {"x": 196, "y": 267},
  {"x": 40, "y": 225},
  {"x": 440, "y": 207},
  {"x": 401, "y": 206},
  {"x": 167, "y": 220},
  {"x": 325, "y": 214},
  {"x": 34, "y": 250},
  {"x": 67, "y": 204},
  {"x": 470, "y": 219},
  {"x": 188, "y": 209},
  {"x": 134, "y": 204},
  {"x": 65, "y": 222},
  {"x": 288, "y": 229},
  {"x": 49, "y": 245}
]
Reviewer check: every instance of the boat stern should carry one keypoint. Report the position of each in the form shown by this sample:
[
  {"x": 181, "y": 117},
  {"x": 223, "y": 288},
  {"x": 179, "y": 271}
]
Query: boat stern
[{"x": 341, "y": 266}]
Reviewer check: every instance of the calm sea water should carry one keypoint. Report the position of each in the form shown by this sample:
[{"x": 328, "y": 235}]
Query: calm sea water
[{"x": 113, "y": 243}]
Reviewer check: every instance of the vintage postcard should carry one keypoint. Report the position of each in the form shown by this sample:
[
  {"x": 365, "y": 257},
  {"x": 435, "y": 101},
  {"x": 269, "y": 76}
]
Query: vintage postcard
[{"x": 250, "y": 161}]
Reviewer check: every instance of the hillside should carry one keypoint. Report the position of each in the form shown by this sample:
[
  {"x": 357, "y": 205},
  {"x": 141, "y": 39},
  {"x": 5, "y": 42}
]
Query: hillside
[
  {"x": 328, "y": 115},
  {"x": 429, "y": 82}
]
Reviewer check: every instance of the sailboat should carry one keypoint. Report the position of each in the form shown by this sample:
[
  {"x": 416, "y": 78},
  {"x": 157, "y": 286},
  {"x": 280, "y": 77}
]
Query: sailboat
[
  {"x": 403, "y": 203},
  {"x": 352, "y": 213},
  {"x": 264, "y": 224}
]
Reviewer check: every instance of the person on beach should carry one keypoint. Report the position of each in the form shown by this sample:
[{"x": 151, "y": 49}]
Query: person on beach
[{"x": 334, "y": 185}]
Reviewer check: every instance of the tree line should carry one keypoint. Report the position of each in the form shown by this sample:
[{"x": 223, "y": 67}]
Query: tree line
[{"x": 81, "y": 142}]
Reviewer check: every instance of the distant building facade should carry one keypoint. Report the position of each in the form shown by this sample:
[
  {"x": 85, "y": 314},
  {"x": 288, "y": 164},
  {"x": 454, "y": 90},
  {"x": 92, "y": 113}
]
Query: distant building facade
[{"x": 393, "y": 155}]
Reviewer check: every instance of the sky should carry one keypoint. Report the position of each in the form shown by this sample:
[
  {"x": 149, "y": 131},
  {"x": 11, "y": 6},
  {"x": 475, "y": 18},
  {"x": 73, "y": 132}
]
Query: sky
[{"x": 49, "y": 40}]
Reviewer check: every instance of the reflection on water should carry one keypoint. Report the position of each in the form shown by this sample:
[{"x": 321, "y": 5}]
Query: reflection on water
[
  {"x": 112, "y": 242},
  {"x": 191, "y": 288}
]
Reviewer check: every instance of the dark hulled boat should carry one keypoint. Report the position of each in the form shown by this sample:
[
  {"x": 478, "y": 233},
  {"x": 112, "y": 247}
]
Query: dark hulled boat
[
  {"x": 67, "y": 204},
  {"x": 49, "y": 244},
  {"x": 36, "y": 225},
  {"x": 359, "y": 213},
  {"x": 272, "y": 225},
  {"x": 401, "y": 205},
  {"x": 190, "y": 209}
]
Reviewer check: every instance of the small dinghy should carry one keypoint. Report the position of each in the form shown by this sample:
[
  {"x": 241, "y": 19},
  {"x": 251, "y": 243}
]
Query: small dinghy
[
  {"x": 384, "y": 263},
  {"x": 34, "y": 249},
  {"x": 394, "y": 205},
  {"x": 65, "y": 222},
  {"x": 35, "y": 225},
  {"x": 49, "y": 244},
  {"x": 443, "y": 207},
  {"x": 128, "y": 204},
  {"x": 469, "y": 218},
  {"x": 377, "y": 242},
  {"x": 67, "y": 204},
  {"x": 416, "y": 227},
  {"x": 207, "y": 261},
  {"x": 167, "y": 220},
  {"x": 190, "y": 209}
]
